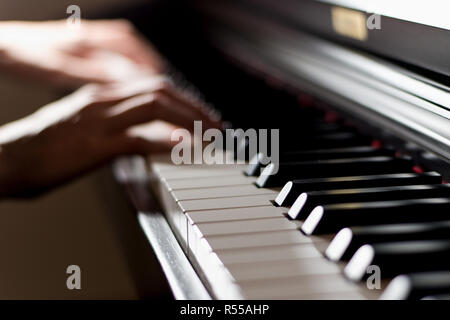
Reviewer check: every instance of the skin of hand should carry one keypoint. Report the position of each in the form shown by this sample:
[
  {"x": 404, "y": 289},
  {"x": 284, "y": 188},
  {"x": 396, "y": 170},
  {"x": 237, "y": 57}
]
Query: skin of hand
[
  {"x": 70, "y": 57},
  {"x": 90, "y": 127}
]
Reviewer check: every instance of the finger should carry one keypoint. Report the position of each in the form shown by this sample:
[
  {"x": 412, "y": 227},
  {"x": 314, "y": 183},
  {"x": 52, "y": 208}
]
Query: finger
[
  {"x": 141, "y": 52},
  {"x": 54, "y": 71},
  {"x": 190, "y": 104},
  {"x": 198, "y": 109},
  {"x": 125, "y": 144},
  {"x": 137, "y": 86},
  {"x": 92, "y": 69},
  {"x": 120, "y": 36},
  {"x": 107, "y": 95},
  {"x": 74, "y": 72},
  {"x": 146, "y": 108}
]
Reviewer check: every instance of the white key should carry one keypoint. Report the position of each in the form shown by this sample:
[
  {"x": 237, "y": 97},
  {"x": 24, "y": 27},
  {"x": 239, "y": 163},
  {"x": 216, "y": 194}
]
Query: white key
[
  {"x": 220, "y": 192},
  {"x": 163, "y": 161},
  {"x": 257, "y": 240},
  {"x": 281, "y": 269},
  {"x": 170, "y": 167},
  {"x": 311, "y": 284},
  {"x": 223, "y": 203},
  {"x": 350, "y": 295},
  {"x": 274, "y": 253},
  {"x": 332, "y": 296},
  {"x": 234, "y": 180},
  {"x": 245, "y": 226},
  {"x": 199, "y": 173},
  {"x": 206, "y": 230},
  {"x": 174, "y": 215},
  {"x": 234, "y": 214}
]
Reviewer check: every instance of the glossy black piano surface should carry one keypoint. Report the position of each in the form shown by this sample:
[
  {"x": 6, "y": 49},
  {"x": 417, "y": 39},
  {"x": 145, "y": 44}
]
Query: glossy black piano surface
[{"x": 382, "y": 185}]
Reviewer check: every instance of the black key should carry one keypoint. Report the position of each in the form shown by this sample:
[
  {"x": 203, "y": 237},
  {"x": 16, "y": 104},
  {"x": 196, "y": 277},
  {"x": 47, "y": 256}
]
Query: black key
[
  {"x": 317, "y": 125},
  {"x": 333, "y": 217},
  {"x": 394, "y": 258},
  {"x": 255, "y": 165},
  {"x": 277, "y": 175},
  {"x": 323, "y": 127},
  {"x": 290, "y": 137},
  {"x": 309, "y": 200},
  {"x": 304, "y": 138},
  {"x": 259, "y": 162},
  {"x": 313, "y": 136},
  {"x": 339, "y": 139},
  {"x": 293, "y": 189},
  {"x": 335, "y": 153},
  {"x": 416, "y": 286},
  {"x": 348, "y": 240}
]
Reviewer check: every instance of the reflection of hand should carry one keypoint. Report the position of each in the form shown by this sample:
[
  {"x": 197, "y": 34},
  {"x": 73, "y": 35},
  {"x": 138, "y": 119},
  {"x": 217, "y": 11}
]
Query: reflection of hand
[
  {"x": 88, "y": 128},
  {"x": 71, "y": 57}
]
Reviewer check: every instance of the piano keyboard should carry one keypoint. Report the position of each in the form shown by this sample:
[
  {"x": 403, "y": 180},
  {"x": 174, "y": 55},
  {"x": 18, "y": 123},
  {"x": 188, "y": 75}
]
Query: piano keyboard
[{"x": 310, "y": 231}]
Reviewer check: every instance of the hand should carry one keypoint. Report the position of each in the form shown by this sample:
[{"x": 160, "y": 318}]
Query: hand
[
  {"x": 90, "y": 127},
  {"x": 67, "y": 57}
]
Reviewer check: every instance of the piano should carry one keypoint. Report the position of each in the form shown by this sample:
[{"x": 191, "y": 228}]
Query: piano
[{"x": 360, "y": 205}]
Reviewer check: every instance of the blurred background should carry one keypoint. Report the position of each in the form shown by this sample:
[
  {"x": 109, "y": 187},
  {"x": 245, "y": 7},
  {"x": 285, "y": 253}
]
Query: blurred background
[{"x": 75, "y": 224}]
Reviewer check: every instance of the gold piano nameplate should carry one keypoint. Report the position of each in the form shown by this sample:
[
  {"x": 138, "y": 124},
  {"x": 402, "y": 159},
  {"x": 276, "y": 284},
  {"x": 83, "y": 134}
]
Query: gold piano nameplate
[{"x": 349, "y": 23}]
